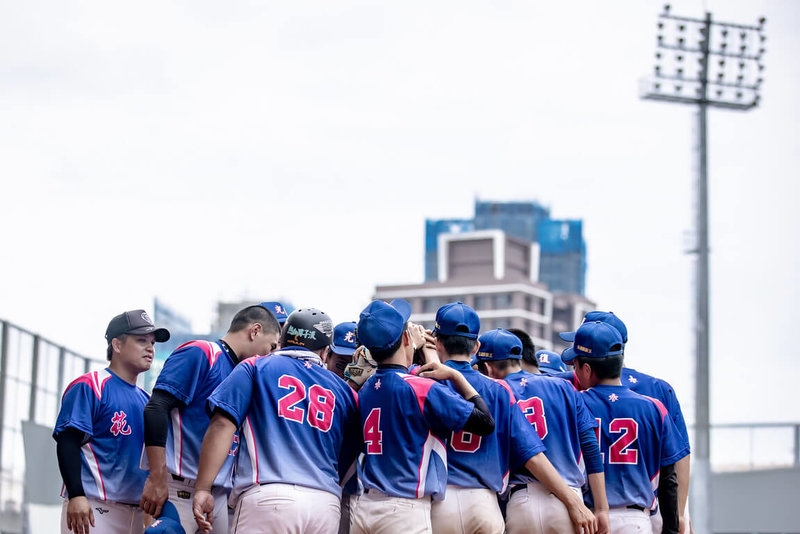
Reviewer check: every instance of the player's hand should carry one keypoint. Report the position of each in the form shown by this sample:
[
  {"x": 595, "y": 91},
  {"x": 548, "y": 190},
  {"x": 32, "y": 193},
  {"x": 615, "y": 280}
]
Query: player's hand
[
  {"x": 155, "y": 493},
  {"x": 417, "y": 334},
  {"x": 682, "y": 524},
  {"x": 582, "y": 518},
  {"x": 363, "y": 367},
  {"x": 79, "y": 515},
  {"x": 437, "y": 370},
  {"x": 203, "y": 509},
  {"x": 603, "y": 522}
]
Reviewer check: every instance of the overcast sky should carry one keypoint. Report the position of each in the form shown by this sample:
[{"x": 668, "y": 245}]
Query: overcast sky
[{"x": 200, "y": 150}]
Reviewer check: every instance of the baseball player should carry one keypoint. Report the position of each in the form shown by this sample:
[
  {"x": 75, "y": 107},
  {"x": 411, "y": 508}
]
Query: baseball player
[
  {"x": 637, "y": 439},
  {"x": 405, "y": 421},
  {"x": 652, "y": 387},
  {"x": 176, "y": 420},
  {"x": 550, "y": 363},
  {"x": 555, "y": 411},
  {"x": 300, "y": 432},
  {"x": 277, "y": 309},
  {"x": 478, "y": 467},
  {"x": 100, "y": 433},
  {"x": 343, "y": 345}
]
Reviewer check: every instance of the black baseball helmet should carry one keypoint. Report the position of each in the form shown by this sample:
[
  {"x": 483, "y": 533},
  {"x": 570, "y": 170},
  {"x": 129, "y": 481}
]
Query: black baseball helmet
[{"x": 307, "y": 327}]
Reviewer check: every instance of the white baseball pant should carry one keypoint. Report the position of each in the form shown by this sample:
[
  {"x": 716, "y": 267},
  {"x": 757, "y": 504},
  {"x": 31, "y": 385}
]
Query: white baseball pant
[
  {"x": 286, "y": 508},
  {"x": 467, "y": 511},
  {"x": 377, "y": 513},
  {"x": 629, "y": 521},
  {"x": 110, "y": 517},
  {"x": 533, "y": 509},
  {"x": 181, "y": 494}
]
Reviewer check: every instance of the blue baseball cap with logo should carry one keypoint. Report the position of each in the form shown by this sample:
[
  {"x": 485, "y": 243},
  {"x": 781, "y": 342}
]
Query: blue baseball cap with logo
[
  {"x": 277, "y": 310},
  {"x": 550, "y": 362},
  {"x": 499, "y": 344},
  {"x": 169, "y": 522},
  {"x": 344, "y": 339},
  {"x": 381, "y": 324},
  {"x": 457, "y": 319},
  {"x": 595, "y": 339},
  {"x": 603, "y": 317}
]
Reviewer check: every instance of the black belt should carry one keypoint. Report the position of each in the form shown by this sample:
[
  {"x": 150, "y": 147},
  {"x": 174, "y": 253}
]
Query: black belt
[
  {"x": 635, "y": 507},
  {"x": 516, "y": 489},
  {"x": 179, "y": 479}
]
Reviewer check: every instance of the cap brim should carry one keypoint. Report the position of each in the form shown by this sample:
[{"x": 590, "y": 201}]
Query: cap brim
[
  {"x": 567, "y": 336},
  {"x": 403, "y": 307},
  {"x": 568, "y": 355},
  {"x": 161, "y": 334},
  {"x": 344, "y": 351}
]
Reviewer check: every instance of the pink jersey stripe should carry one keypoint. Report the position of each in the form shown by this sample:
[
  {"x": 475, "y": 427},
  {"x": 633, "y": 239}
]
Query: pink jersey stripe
[
  {"x": 94, "y": 467},
  {"x": 420, "y": 385}
]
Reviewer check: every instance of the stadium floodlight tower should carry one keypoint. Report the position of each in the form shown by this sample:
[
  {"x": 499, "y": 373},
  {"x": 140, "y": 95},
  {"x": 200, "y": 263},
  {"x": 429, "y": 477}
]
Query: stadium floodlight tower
[{"x": 706, "y": 64}]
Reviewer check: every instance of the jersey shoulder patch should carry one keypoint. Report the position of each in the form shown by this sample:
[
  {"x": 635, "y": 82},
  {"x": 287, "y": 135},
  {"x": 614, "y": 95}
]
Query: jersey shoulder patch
[
  {"x": 420, "y": 385},
  {"x": 661, "y": 409},
  {"x": 96, "y": 380}
]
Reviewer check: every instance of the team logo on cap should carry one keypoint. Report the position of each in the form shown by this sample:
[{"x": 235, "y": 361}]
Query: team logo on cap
[
  {"x": 544, "y": 358},
  {"x": 146, "y": 318},
  {"x": 279, "y": 309},
  {"x": 583, "y": 349},
  {"x": 350, "y": 337}
]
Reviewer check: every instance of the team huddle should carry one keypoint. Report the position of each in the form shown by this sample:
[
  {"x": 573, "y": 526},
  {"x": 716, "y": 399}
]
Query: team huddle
[{"x": 288, "y": 424}]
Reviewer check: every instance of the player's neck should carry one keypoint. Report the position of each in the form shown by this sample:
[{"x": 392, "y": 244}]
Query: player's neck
[
  {"x": 122, "y": 371},
  {"x": 454, "y": 357},
  {"x": 609, "y": 382}
]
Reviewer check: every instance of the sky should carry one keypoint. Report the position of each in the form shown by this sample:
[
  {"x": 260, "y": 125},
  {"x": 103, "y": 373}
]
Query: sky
[{"x": 198, "y": 151}]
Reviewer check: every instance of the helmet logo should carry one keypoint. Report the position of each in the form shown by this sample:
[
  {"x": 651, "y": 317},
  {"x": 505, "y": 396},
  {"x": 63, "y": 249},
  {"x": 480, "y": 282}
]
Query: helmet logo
[{"x": 301, "y": 332}]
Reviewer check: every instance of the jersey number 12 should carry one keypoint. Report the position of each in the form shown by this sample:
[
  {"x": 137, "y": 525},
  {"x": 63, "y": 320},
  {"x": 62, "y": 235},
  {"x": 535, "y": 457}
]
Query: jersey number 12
[{"x": 623, "y": 450}]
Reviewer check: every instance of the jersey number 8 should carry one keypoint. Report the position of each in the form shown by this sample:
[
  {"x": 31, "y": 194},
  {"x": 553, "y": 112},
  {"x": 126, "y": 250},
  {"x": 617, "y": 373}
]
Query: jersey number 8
[{"x": 321, "y": 403}]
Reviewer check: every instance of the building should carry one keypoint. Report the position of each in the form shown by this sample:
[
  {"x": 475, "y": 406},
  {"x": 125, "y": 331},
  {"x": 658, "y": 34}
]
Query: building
[
  {"x": 498, "y": 275},
  {"x": 562, "y": 265}
]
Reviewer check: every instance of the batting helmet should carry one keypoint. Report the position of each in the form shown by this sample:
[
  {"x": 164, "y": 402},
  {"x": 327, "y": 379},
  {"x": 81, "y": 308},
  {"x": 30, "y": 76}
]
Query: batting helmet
[{"x": 307, "y": 327}]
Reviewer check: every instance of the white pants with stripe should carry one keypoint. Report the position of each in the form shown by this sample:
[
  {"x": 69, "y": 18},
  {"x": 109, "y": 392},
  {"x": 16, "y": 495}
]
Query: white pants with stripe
[
  {"x": 110, "y": 518},
  {"x": 535, "y": 510},
  {"x": 467, "y": 511},
  {"x": 629, "y": 521},
  {"x": 378, "y": 513},
  {"x": 181, "y": 494},
  {"x": 286, "y": 508}
]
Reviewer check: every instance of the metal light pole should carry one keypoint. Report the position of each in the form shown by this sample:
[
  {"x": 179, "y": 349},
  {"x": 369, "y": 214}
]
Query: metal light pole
[{"x": 707, "y": 64}]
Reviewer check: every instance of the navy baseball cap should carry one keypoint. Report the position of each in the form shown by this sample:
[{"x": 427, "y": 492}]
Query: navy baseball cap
[
  {"x": 169, "y": 522},
  {"x": 499, "y": 344},
  {"x": 277, "y": 310},
  {"x": 604, "y": 317},
  {"x": 457, "y": 319},
  {"x": 550, "y": 362},
  {"x": 595, "y": 339},
  {"x": 381, "y": 324},
  {"x": 344, "y": 339},
  {"x": 134, "y": 322}
]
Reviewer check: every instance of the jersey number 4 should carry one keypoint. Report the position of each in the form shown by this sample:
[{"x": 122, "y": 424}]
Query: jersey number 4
[
  {"x": 373, "y": 437},
  {"x": 321, "y": 403},
  {"x": 623, "y": 450}
]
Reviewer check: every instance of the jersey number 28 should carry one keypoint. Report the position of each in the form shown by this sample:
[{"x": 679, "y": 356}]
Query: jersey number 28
[{"x": 321, "y": 403}]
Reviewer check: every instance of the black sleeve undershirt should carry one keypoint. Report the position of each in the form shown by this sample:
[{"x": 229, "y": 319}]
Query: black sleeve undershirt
[
  {"x": 480, "y": 421},
  {"x": 68, "y": 451},
  {"x": 668, "y": 499},
  {"x": 156, "y": 417}
]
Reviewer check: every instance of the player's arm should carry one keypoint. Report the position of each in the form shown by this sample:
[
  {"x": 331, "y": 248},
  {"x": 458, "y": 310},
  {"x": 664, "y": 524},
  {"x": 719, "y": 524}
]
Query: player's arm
[
  {"x": 68, "y": 451},
  {"x": 156, "y": 423},
  {"x": 668, "y": 499},
  {"x": 597, "y": 479},
  {"x": 682, "y": 471},
  {"x": 214, "y": 451},
  {"x": 582, "y": 518},
  {"x": 480, "y": 421}
]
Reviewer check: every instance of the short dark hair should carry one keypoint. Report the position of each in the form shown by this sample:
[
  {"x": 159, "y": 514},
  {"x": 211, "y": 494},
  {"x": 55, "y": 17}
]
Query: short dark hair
[
  {"x": 604, "y": 368},
  {"x": 110, "y": 349},
  {"x": 502, "y": 365},
  {"x": 528, "y": 348},
  {"x": 255, "y": 314},
  {"x": 385, "y": 354},
  {"x": 481, "y": 365},
  {"x": 457, "y": 344}
]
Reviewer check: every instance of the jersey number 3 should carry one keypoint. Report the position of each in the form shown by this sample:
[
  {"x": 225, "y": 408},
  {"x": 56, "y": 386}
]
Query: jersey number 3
[
  {"x": 533, "y": 409},
  {"x": 321, "y": 403},
  {"x": 623, "y": 450}
]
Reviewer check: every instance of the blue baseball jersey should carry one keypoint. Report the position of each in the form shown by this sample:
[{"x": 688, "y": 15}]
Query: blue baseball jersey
[
  {"x": 191, "y": 373},
  {"x": 406, "y": 421},
  {"x": 486, "y": 461},
  {"x": 649, "y": 386},
  {"x": 556, "y": 410},
  {"x": 636, "y": 438},
  {"x": 299, "y": 422},
  {"x": 109, "y": 411}
]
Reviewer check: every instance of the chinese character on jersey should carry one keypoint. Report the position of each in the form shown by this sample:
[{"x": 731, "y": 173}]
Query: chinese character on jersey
[{"x": 119, "y": 425}]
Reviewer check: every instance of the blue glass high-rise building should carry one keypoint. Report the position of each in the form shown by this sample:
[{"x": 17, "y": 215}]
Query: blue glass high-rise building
[{"x": 562, "y": 264}]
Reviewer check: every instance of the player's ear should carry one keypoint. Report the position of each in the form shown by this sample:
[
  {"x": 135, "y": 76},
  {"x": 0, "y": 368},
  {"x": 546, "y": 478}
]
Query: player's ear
[
  {"x": 475, "y": 350},
  {"x": 116, "y": 345},
  {"x": 255, "y": 328}
]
